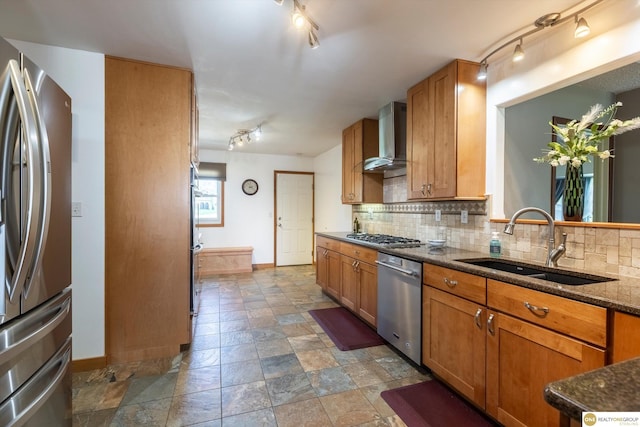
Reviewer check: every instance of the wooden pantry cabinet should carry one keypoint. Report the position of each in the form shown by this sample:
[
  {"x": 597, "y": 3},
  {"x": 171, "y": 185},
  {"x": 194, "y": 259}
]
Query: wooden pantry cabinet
[
  {"x": 360, "y": 142},
  {"x": 348, "y": 273},
  {"x": 500, "y": 348},
  {"x": 149, "y": 129},
  {"x": 446, "y": 122}
]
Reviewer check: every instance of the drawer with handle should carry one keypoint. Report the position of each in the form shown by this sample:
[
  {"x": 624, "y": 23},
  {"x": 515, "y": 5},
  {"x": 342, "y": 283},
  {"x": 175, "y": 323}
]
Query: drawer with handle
[
  {"x": 358, "y": 252},
  {"x": 574, "y": 318},
  {"x": 327, "y": 243},
  {"x": 464, "y": 285}
]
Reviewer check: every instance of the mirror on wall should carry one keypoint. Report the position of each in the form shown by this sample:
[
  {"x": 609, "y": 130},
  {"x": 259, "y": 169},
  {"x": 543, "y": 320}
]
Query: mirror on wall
[{"x": 527, "y": 132}]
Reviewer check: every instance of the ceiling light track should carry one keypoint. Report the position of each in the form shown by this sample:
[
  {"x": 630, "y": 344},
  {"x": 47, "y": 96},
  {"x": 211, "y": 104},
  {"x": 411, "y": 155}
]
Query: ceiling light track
[
  {"x": 302, "y": 20},
  {"x": 545, "y": 21},
  {"x": 243, "y": 136}
]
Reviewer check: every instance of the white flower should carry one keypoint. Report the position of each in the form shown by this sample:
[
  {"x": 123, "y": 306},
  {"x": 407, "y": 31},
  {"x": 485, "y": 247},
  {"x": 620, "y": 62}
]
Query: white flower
[
  {"x": 605, "y": 154},
  {"x": 578, "y": 141}
]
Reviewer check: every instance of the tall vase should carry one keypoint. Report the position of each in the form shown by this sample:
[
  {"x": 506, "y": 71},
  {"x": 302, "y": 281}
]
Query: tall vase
[{"x": 573, "y": 194}]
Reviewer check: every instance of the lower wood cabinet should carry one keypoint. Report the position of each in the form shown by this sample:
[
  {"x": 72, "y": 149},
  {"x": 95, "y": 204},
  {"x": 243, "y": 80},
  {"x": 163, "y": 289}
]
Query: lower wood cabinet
[
  {"x": 521, "y": 359},
  {"x": 501, "y": 354},
  {"x": 625, "y": 343},
  {"x": 454, "y": 341},
  {"x": 349, "y": 275}
]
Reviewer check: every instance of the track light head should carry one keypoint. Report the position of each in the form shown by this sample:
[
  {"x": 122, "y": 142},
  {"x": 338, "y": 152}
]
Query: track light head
[
  {"x": 313, "y": 39},
  {"x": 518, "y": 53},
  {"x": 298, "y": 17},
  {"x": 482, "y": 72},
  {"x": 582, "y": 28}
]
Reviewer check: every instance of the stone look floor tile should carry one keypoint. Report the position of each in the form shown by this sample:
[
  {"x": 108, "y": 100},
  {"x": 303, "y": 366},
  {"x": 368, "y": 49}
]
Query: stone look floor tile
[
  {"x": 314, "y": 360},
  {"x": 308, "y": 413},
  {"x": 244, "y": 398},
  {"x": 349, "y": 408},
  {"x": 257, "y": 359}
]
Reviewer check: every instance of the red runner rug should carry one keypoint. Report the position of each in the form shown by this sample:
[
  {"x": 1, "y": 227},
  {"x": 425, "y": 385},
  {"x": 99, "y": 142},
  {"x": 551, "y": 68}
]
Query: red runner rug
[
  {"x": 431, "y": 404},
  {"x": 345, "y": 329}
]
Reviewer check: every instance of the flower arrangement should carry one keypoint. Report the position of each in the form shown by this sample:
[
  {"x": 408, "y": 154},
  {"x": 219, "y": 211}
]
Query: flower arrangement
[{"x": 581, "y": 139}]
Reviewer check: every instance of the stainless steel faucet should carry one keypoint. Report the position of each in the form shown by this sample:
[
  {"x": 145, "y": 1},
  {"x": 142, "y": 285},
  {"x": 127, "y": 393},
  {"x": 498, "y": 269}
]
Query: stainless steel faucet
[{"x": 553, "y": 253}]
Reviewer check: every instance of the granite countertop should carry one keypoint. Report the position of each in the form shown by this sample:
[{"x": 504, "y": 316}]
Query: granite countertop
[
  {"x": 620, "y": 294},
  {"x": 613, "y": 388}
]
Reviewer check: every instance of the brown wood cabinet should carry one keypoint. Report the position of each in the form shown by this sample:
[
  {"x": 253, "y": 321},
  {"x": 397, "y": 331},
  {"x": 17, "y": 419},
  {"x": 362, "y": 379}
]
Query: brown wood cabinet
[
  {"x": 454, "y": 341},
  {"x": 522, "y": 359},
  {"x": 348, "y": 273},
  {"x": 148, "y": 125},
  {"x": 446, "y": 115},
  {"x": 328, "y": 265},
  {"x": 359, "y": 142},
  {"x": 626, "y": 330},
  {"x": 536, "y": 338},
  {"x": 499, "y": 344}
]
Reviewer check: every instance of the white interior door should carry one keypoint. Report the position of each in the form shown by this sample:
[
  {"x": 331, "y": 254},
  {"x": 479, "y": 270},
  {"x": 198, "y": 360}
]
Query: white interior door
[{"x": 294, "y": 218}]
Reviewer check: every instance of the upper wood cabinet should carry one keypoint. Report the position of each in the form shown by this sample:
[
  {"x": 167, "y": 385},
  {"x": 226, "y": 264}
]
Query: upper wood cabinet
[
  {"x": 359, "y": 142},
  {"x": 148, "y": 132},
  {"x": 195, "y": 125},
  {"x": 446, "y": 121}
]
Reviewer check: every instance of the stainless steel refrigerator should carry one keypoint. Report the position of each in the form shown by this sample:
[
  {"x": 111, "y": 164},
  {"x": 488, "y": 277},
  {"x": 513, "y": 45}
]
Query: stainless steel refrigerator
[{"x": 35, "y": 243}]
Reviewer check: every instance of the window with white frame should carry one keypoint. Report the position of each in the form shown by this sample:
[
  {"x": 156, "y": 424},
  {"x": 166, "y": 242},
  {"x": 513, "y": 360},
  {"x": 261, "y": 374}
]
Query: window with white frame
[{"x": 209, "y": 202}]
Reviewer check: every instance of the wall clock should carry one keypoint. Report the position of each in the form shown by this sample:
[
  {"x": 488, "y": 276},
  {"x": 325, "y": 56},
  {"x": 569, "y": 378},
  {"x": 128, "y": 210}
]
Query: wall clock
[{"x": 250, "y": 187}]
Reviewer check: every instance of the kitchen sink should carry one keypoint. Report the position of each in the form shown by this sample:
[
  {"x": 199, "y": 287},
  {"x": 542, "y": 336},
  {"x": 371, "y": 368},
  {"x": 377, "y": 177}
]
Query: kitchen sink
[{"x": 538, "y": 272}]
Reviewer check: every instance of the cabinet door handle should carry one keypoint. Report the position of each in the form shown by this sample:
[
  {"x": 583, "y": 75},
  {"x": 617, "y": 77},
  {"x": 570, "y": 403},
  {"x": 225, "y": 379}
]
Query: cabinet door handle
[
  {"x": 490, "y": 326},
  {"x": 423, "y": 189},
  {"x": 477, "y": 318},
  {"x": 429, "y": 189},
  {"x": 537, "y": 311},
  {"x": 450, "y": 283}
]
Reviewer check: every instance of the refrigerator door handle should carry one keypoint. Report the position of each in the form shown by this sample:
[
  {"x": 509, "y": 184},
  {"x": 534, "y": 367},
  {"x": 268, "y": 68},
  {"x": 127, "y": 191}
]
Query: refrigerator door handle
[
  {"x": 27, "y": 246},
  {"x": 42, "y": 190},
  {"x": 30, "y": 397},
  {"x": 22, "y": 335}
]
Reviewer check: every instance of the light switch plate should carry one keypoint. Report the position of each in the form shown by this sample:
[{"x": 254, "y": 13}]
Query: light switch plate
[
  {"x": 76, "y": 209},
  {"x": 438, "y": 215},
  {"x": 464, "y": 217}
]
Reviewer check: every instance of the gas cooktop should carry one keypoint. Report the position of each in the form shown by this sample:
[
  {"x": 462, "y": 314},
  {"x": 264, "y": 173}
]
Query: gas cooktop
[{"x": 386, "y": 240}]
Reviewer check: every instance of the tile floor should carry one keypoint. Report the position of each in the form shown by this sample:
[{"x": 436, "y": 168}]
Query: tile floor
[{"x": 257, "y": 359}]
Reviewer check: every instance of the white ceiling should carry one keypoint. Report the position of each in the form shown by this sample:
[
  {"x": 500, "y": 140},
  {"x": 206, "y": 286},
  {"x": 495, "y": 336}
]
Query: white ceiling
[{"x": 251, "y": 66}]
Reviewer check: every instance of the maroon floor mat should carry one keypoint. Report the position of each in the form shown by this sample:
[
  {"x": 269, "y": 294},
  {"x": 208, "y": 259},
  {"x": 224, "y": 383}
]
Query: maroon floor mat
[
  {"x": 431, "y": 404},
  {"x": 345, "y": 329}
]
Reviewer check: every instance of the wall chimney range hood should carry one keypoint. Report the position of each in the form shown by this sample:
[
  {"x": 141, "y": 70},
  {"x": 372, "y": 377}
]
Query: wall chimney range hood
[{"x": 392, "y": 124}]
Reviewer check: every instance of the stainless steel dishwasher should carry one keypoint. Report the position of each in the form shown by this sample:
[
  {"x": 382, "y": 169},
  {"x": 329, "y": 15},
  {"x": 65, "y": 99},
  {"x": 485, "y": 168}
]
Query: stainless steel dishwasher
[{"x": 400, "y": 304}]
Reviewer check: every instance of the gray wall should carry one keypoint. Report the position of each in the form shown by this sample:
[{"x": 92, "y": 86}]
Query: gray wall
[{"x": 626, "y": 175}]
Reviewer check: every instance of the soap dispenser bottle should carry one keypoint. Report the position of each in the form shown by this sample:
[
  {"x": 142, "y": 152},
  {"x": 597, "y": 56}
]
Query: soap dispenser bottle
[
  {"x": 495, "y": 248},
  {"x": 356, "y": 226}
]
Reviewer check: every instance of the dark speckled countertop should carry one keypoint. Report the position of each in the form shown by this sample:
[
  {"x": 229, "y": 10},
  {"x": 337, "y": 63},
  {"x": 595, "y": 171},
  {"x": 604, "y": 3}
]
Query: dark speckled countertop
[
  {"x": 612, "y": 388},
  {"x": 620, "y": 294}
]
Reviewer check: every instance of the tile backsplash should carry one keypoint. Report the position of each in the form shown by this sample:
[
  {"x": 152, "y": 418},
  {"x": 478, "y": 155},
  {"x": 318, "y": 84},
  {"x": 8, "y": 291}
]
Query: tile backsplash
[{"x": 596, "y": 250}]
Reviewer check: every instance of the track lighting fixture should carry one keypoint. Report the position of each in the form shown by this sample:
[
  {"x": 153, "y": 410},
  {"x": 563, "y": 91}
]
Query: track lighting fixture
[
  {"x": 301, "y": 19},
  {"x": 545, "y": 21},
  {"x": 582, "y": 28},
  {"x": 313, "y": 39},
  {"x": 518, "y": 53},
  {"x": 244, "y": 135},
  {"x": 482, "y": 72}
]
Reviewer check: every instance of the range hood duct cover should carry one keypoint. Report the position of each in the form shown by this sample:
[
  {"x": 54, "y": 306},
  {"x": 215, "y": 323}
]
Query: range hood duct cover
[{"x": 392, "y": 124}]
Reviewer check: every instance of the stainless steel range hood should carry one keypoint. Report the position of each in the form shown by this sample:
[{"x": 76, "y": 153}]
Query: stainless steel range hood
[{"x": 392, "y": 122}]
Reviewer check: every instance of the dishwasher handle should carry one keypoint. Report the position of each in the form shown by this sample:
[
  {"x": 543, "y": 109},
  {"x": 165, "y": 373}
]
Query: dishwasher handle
[{"x": 401, "y": 270}]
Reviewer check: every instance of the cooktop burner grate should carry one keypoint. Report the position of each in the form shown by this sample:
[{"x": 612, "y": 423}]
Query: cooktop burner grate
[{"x": 385, "y": 240}]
